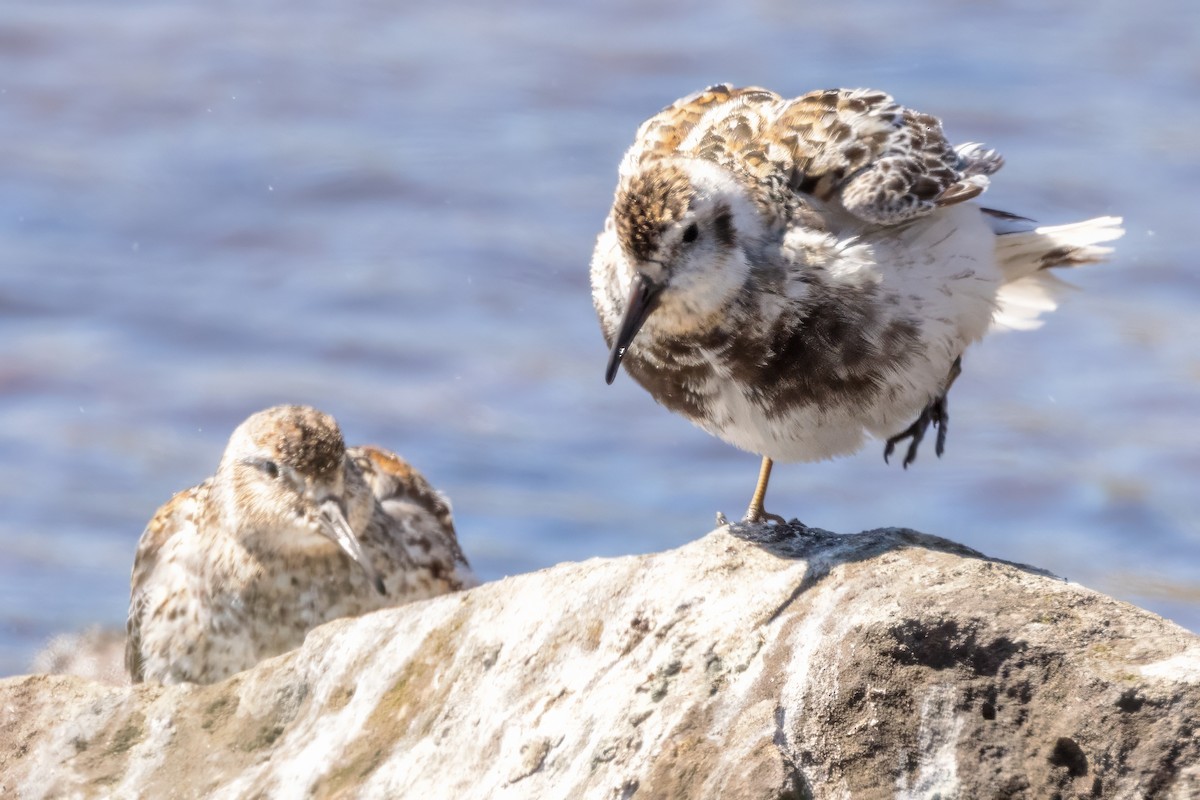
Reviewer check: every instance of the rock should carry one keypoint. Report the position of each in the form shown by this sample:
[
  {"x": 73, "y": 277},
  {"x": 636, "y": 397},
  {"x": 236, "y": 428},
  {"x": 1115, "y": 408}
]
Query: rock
[{"x": 767, "y": 663}]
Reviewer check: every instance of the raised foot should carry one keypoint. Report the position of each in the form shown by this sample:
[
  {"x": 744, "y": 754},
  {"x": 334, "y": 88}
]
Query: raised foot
[{"x": 937, "y": 414}]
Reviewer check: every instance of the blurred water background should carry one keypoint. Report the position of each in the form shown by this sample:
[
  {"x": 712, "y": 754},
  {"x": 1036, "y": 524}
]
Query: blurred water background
[{"x": 387, "y": 210}]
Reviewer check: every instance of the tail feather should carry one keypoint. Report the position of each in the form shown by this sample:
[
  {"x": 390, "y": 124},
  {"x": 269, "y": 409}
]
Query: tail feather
[{"x": 1025, "y": 253}]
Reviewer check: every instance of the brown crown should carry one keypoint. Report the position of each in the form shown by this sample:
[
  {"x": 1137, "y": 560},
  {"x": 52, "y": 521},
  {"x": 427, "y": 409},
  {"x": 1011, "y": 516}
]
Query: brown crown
[{"x": 652, "y": 200}]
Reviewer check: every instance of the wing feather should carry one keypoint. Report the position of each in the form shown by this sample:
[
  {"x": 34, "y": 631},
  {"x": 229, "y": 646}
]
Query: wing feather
[
  {"x": 171, "y": 517},
  {"x": 398, "y": 487},
  {"x": 884, "y": 163}
]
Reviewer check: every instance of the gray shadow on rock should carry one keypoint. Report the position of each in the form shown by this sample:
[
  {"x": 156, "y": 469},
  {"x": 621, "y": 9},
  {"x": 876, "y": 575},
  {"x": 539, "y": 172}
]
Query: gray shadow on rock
[{"x": 824, "y": 550}]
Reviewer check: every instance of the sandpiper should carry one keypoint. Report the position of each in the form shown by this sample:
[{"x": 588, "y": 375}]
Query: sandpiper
[
  {"x": 293, "y": 530},
  {"x": 794, "y": 276}
]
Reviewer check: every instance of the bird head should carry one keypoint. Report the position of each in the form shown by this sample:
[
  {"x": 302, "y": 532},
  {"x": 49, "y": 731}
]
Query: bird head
[
  {"x": 291, "y": 486},
  {"x": 682, "y": 227}
]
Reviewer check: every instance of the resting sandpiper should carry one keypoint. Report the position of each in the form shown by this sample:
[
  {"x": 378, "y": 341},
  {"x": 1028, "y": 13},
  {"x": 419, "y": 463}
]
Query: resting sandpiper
[{"x": 293, "y": 530}]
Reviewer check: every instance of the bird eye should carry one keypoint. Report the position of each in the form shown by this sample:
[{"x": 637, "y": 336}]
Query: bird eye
[
  {"x": 269, "y": 467},
  {"x": 691, "y": 233}
]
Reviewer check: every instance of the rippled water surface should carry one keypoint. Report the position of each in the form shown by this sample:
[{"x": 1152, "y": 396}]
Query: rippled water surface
[{"x": 387, "y": 210}]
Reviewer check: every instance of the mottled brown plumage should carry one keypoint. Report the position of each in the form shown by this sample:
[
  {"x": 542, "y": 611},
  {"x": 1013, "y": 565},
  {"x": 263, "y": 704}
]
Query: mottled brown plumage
[
  {"x": 655, "y": 199},
  {"x": 883, "y": 162},
  {"x": 794, "y": 275},
  {"x": 293, "y": 530}
]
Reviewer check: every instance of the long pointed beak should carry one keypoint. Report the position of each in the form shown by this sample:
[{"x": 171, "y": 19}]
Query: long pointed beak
[
  {"x": 643, "y": 299},
  {"x": 334, "y": 525}
]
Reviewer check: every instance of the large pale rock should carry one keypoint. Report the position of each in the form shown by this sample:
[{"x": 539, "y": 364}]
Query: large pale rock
[{"x": 804, "y": 664}]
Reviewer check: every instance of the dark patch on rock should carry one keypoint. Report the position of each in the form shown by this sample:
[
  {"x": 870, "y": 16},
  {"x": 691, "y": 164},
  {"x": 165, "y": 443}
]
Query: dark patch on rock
[
  {"x": 1067, "y": 753},
  {"x": 1130, "y": 701},
  {"x": 947, "y": 644},
  {"x": 988, "y": 710}
]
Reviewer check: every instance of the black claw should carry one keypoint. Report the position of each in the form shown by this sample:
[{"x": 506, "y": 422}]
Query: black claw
[
  {"x": 937, "y": 414},
  {"x": 942, "y": 420},
  {"x": 918, "y": 433}
]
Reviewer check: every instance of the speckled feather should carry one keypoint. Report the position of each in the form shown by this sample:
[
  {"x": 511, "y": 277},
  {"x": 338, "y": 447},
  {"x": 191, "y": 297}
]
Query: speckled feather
[
  {"x": 226, "y": 573},
  {"x": 883, "y": 162},
  {"x": 818, "y": 267},
  {"x": 422, "y": 514}
]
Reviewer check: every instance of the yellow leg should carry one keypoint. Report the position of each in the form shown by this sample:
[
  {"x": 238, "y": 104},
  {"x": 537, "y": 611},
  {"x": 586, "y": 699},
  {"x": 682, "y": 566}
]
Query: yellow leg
[{"x": 755, "y": 512}]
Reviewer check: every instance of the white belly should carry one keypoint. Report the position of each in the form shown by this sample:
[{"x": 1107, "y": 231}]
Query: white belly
[{"x": 940, "y": 270}]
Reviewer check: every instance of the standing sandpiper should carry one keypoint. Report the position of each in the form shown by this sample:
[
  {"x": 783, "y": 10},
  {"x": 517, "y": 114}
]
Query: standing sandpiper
[
  {"x": 293, "y": 530},
  {"x": 794, "y": 276}
]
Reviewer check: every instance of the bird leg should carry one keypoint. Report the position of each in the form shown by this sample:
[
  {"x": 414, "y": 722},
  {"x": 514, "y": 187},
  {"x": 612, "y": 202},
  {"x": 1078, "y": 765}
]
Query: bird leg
[
  {"x": 755, "y": 512},
  {"x": 937, "y": 413}
]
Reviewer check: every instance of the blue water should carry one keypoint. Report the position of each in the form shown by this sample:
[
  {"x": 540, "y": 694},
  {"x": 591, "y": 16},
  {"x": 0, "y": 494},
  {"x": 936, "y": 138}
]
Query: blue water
[{"x": 387, "y": 210}]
